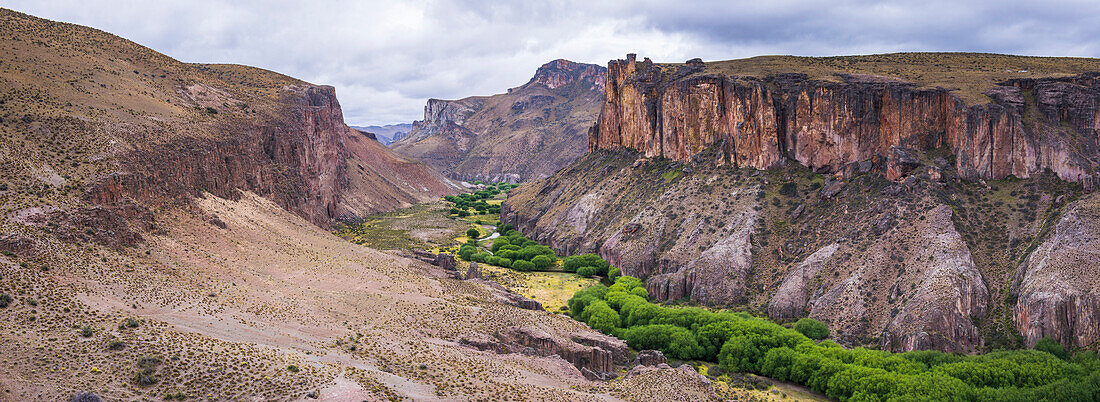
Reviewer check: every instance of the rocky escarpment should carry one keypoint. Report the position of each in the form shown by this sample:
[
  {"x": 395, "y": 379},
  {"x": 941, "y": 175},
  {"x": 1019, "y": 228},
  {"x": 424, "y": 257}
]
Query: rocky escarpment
[
  {"x": 525, "y": 134},
  {"x": 595, "y": 355},
  {"x": 919, "y": 264},
  {"x": 1031, "y": 124},
  {"x": 1056, "y": 290},
  {"x": 304, "y": 158},
  {"x": 142, "y": 131}
]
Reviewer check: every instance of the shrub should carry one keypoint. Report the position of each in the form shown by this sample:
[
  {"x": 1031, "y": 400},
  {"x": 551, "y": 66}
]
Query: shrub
[
  {"x": 521, "y": 265},
  {"x": 739, "y": 354},
  {"x": 1049, "y": 345},
  {"x": 87, "y": 332},
  {"x": 5, "y": 300},
  {"x": 789, "y": 189},
  {"x": 812, "y": 328},
  {"x": 674, "y": 341},
  {"x": 588, "y": 271},
  {"x": 466, "y": 251},
  {"x": 529, "y": 252},
  {"x": 498, "y": 243},
  {"x": 582, "y": 298},
  {"x": 541, "y": 261},
  {"x": 473, "y": 233},
  {"x": 292, "y": 368},
  {"x": 640, "y": 292},
  {"x": 601, "y": 317},
  {"x": 574, "y": 263}
]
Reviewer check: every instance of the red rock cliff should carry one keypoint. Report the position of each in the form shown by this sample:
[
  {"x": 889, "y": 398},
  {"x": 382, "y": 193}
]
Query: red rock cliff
[
  {"x": 1030, "y": 125},
  {"x": 299, "y": 158}
]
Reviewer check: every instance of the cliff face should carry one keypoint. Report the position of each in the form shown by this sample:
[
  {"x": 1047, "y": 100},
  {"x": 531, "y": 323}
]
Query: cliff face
[
  {"x": 141, "y": 131},
  {"x": 304, "y": 158},
  {"x": 676, "y": 112},
  {"x": 710, "y": 186},
  {"x": 525, "y": 134}
]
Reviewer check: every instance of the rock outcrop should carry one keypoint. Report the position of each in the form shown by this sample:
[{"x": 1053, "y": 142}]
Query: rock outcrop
[
  {"x": 1030, "y": 125},
  {"x": 525, "y": 134},
  {"x": 950, "y": 296},
  {"x": 305, "y": 159},
  {"x": 595, "y": 355},
  {"x": 789, "y": 302},
  {"x": 650, "y": 358},
  {"x": 718, "y": 275},
  {"x": 709, "y": 185},
  {"x": 1056, "y": 289}
]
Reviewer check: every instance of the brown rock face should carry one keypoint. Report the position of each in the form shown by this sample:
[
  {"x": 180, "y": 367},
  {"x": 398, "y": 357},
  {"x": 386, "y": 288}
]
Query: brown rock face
[
  {"x": 951, "y": 293},
  {"x": 1031, "y": 125},
  {"x": 1056, "y": 290},
  {"x": 718, "y": 275},
  {"x": 306, "y": 160},
  {"x": 593, "y": 354}
]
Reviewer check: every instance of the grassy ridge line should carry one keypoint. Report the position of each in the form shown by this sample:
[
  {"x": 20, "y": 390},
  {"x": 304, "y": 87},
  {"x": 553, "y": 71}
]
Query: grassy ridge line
[{"x": 968, "y": 75}]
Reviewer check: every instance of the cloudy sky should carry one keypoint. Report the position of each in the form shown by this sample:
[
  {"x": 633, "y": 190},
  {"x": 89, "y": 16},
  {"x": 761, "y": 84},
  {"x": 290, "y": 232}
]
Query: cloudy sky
[{"x": 387, "y": 57}]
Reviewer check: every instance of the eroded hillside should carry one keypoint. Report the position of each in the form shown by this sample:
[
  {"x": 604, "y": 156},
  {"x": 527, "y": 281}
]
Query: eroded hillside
[
  {"x": 931, "y": 262},
  {"x": 525, "y": 134},
  {"x": 907, "y": 214}
]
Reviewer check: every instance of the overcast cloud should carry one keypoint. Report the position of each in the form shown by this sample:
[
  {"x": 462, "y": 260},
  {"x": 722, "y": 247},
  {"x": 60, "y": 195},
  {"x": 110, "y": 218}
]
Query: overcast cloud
[{"x": 386, "y": 58}]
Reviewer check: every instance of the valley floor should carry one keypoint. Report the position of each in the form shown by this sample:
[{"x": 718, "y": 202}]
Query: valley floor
[{"x": 241, "y": 300}]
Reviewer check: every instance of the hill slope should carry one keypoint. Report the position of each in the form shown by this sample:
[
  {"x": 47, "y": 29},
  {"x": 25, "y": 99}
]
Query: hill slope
[
  {"x": 907, "y": 214},
  {"x": 163, "y": 237},
  {"x": 527, "y": 133},
  {"x": 109, "y": 123}
]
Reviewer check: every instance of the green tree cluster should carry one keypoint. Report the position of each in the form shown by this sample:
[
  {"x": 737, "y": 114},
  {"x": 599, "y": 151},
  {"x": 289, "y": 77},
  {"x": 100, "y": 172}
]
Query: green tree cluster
[
  {"x": 743, "y": 343},
  {"x": 586, "y": 265}
]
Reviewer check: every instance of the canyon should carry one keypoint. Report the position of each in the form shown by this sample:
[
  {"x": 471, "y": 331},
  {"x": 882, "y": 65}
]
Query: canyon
[{"x": 166, "y": 232}]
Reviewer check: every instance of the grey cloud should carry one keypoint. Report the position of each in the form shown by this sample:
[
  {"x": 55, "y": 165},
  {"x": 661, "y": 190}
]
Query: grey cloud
[{"x": 386, "y": 58}]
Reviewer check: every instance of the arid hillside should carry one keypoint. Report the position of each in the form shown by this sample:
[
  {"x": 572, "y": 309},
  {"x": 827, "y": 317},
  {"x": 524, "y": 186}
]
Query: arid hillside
[
  {"x": 91, "y": 120},
  {"x": 525, "y": 134},
  {"x": 875, "y": 193},
  {"x": 163, "y": 229}
]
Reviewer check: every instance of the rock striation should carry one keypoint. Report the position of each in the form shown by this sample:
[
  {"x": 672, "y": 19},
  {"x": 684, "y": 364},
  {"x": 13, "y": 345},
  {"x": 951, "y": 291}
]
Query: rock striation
[
  {"x": 678, "y": 111},
  {"x": 1055, "y": 289},
  {"x": 594, "y": 355}
]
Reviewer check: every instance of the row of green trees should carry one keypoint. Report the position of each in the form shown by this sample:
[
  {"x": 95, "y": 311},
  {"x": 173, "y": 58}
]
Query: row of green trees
[
  {"x": 477, "y": 200},
  {"x": 743, "y": 343},
  {"x": 590, "y": 265},
  {"x": 512, "y": 250}
]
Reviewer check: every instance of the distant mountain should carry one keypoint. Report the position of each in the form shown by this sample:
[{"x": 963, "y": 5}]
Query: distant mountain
[
  {"x": 525, "y": 134},
  {"x": 389, "y": 133}
]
